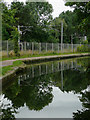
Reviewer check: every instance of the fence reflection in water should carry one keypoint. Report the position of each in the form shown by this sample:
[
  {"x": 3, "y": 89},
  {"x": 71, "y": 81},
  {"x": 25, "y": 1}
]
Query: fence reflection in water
[{"x": 47, "y": 68}]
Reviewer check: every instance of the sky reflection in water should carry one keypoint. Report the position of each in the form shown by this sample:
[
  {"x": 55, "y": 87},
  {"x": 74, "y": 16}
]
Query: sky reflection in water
[{"x": 50, "y": 90}]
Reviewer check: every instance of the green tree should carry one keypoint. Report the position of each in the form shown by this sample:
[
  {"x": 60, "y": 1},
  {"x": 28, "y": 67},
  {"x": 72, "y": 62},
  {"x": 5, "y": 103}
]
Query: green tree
[
  {"x": 8, "y": 21},
  {"x": 83, "y": 16},
  {"x": 34, "y": 14}
]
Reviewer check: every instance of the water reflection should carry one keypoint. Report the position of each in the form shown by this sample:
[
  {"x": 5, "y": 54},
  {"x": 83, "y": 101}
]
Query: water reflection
[{"x": 34, "y": 87}]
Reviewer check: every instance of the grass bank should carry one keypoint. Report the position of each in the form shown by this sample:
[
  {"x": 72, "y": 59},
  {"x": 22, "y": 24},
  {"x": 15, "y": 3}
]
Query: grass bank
[
  {"x": 7, "y": 69},
  {"x": 36, "y": 55},
  {"x": 18, "y": 63}
]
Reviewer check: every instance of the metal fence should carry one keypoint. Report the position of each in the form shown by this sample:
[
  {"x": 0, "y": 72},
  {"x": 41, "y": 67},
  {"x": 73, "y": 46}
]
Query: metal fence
[{"x": 38, "y": 48}]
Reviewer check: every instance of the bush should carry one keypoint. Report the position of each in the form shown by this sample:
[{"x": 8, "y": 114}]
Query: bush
[
  {"x": 15, "y": 35},
  {"x": 82, "y": 48}
]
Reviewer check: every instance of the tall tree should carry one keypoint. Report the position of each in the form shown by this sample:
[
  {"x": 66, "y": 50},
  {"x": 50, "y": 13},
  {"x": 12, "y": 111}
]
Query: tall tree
[
  {"x": 82, "y": 10},
  {"x": 34, "y": 14}
]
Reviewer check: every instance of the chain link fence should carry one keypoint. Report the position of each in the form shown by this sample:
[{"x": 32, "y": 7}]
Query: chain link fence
[{"x": 38, "y": 48}]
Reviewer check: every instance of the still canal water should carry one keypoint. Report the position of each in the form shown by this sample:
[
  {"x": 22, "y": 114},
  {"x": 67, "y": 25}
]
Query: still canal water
[{"x": 54, "y": 89}]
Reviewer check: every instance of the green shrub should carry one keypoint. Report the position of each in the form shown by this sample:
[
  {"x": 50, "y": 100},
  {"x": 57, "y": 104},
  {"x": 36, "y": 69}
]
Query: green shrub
[
  {"x": 82, "y": 48},
  {"x": 15, "y": 35}
]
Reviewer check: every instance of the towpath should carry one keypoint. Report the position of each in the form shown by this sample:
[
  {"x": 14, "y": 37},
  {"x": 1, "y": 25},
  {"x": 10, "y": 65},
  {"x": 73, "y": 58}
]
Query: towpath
[{"x": 10, "y": 62}]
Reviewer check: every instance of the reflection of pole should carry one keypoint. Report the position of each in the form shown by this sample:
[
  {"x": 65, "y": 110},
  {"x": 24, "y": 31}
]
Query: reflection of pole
[
  {"x": 72, "y": 64},
  {"x": 61, "y": 75},
  {"x": 52, "y": 68},
  {"x": 46, "y": 68},
  {"x": 32, "y": 71},
  {"x": 39, "y": 69},
  {"x": 19, "y": 80},
  {"x": 58, "y": 66}
]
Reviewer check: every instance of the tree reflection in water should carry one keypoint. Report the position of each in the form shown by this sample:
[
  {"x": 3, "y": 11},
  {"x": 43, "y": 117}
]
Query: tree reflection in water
[
  {"x": 83, "y": 114},
  {"x": 36, "y": 92}
]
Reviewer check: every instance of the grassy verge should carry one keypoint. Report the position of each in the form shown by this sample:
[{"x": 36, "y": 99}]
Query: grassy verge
[
  {"x": 9, "y": 68},
  {"x": 37, "y": 55}
]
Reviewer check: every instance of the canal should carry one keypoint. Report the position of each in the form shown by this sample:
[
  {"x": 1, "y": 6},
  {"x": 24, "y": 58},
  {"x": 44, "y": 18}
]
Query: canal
[{"x": 56, "y": 89}]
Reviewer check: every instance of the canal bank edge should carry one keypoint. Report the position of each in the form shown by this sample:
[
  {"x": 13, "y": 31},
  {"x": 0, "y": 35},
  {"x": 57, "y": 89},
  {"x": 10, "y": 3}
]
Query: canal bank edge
[
  {"x": 51, "y": 58},
  {"x": 9, "y": 76}
]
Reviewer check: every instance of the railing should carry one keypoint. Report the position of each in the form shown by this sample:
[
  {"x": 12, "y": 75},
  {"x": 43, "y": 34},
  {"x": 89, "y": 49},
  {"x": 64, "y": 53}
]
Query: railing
[{"x": 38, "y": 48}]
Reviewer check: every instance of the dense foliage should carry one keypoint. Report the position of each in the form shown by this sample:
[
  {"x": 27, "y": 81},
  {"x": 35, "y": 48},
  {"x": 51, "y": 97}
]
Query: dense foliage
[{"x": 37, "y": 24}]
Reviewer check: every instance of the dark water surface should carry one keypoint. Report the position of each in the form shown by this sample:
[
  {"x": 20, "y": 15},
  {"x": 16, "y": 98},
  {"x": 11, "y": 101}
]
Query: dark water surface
[{"x": 49, "y": 90}]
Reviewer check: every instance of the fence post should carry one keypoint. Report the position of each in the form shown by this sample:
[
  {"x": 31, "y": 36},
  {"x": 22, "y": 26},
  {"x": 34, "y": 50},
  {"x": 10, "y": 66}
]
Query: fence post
[
  {"x": 25, "y": 46},
  {"x": 32, "y": 47},
  {"x": 39, "y": 48},
  {"x": 58, "y": 47},
  {"x": 52, "y": 47},
  {"x": 22, "y": 46},
  {"x": 72, "y": 47},
  {"x": 46, "y": 47},
  {"x": 62, "y": 47},
  {"x": 7, "y": 49}
]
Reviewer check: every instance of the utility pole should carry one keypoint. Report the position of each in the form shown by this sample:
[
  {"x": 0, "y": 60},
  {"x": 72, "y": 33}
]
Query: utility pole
[
  {"x": 18, "y": 35},
  {"x": 61, "y": 35}
]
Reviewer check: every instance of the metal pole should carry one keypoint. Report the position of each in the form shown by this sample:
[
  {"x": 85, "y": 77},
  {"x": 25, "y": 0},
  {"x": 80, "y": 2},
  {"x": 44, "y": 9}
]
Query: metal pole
[
  {"x": 18, "y": 35},
  {"x": 62, "y": 36}
]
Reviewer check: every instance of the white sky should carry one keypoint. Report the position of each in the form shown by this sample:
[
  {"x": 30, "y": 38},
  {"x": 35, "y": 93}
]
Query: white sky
[{"x": 58, "y": 6}]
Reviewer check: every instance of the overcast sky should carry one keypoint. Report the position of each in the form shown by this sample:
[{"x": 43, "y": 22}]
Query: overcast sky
[{"x": 58, "y": 6}]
